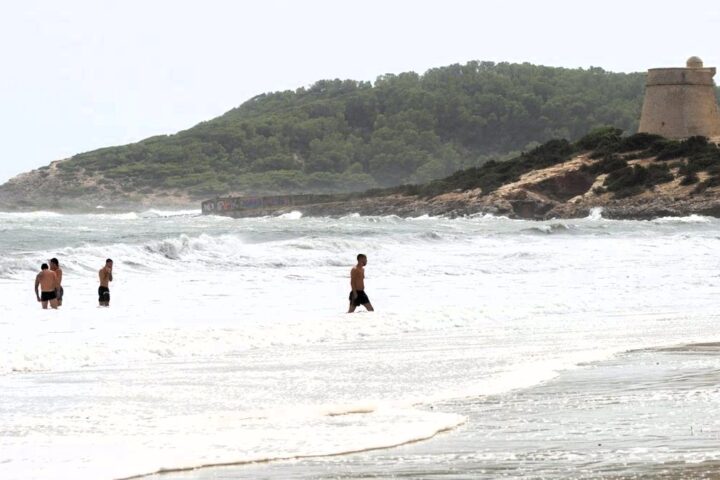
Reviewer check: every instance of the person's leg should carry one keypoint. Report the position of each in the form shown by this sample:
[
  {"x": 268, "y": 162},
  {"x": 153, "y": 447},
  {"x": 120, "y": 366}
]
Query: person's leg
[
  {"x": 54, "y": 303},
  {"x": 368, "y": 306},
  {"x": 351, "y": 308},
  {"x": 44, "y": 304}
]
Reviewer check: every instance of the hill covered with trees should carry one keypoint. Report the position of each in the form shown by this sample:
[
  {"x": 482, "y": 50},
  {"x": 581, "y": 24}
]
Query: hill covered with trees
[{"x": 345, "y": 135}]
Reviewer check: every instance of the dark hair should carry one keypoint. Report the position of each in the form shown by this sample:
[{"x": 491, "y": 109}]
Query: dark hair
[
  {"x": 361, "y": 255},
  {"x": 54, "y": 261},
  {"x": 43, "y": 266},
  {"x": 109, "y": 260}
]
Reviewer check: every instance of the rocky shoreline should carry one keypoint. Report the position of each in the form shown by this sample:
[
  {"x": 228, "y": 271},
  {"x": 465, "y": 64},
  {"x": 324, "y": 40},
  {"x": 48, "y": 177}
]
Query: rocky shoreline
[
  {"x": 563, "y": 190},
  {"x": 529, "y": 209},
  {"x": 560, "y": 191}
]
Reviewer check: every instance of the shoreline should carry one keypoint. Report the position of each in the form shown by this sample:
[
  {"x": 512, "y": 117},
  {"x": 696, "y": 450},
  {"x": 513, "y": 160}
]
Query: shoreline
[
  {"x": 523, "y": 209},
  {"x": 455, "y": 205},
  {"x": 486, "y": 448}
]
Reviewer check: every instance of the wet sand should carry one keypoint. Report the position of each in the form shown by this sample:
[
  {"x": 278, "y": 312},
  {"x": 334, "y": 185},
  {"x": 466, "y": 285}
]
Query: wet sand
[{"x": 645, "y": 414}]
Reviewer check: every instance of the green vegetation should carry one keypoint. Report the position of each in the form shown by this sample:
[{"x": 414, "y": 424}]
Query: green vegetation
[
  {"x": 349, "y": 136},
  {"x": 693, "y": 155},
  {"x": 494, "y": 174},
  {"x": 629, "y": 181}
]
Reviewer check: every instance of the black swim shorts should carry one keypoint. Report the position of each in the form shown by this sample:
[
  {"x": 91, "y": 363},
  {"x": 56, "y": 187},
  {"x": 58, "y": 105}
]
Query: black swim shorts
[
  {"x": 45, "y": 296},
  {"x": 103, "y": 294},
  {"x": 361, "y": 298}
]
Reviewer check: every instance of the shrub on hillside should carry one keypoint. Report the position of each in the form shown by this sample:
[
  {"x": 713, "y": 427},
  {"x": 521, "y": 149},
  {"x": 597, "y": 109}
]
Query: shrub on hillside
[
  {"x": 608, "y": 164},
  {"x": 689, "y": 179},
  {"x": 632, "y": 180},
  {"x": 600, "y": 138},
  {"x": 671, "y": 149},
  {"x": 609, "y": 141}
]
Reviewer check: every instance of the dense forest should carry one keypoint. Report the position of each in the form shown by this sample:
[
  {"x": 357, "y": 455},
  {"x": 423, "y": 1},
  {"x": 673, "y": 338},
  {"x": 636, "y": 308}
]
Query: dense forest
[{"x": 345, "y": 135}]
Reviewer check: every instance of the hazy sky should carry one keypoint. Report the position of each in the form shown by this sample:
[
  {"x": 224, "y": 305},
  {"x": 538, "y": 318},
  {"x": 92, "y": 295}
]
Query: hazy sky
[{"x": 79, "y": 75}]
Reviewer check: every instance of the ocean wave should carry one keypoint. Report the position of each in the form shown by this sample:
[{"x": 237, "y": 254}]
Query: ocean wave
[
  {"x": 548, "y": 228},
  {"x": 595, "y": 214},
  {"x": 115, "y": 216},
  {"x": 420, "y": 218},
  {"x": 486, "y": 216},
  {"x": 154, "y": 213},
  {"x": 30, "y": 215},
  {"x": 294, "y": 215},
  {"x": 202, "y": 251},
  {"x": 384, "y": 429},
  {"x": 683, "y": 220},
  {"x": 430, "y": 236}
]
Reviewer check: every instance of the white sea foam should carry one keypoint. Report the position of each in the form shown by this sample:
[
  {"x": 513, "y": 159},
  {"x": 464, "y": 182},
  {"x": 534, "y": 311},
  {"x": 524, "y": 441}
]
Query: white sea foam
[
  {"x": 226, "y": 340},
  {"x": 154, "y": 213},
  {"x": 595, "y": 214},
  {"x": 687, "y": 219},
  {"x": 294, "y": 215},
  {"x": 30, "y": 215}
]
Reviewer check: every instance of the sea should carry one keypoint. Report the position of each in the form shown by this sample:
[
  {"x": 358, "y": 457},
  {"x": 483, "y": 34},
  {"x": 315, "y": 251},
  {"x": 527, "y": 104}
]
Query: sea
[{"x": 499, "y": 348}]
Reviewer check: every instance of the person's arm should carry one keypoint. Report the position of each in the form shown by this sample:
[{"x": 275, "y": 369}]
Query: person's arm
[
  {"x": 37, "y": 283},
  {"x": 58, "y": 274},
  {"x": 109, "y": 275},
  {"x": 353, "y": 282}
]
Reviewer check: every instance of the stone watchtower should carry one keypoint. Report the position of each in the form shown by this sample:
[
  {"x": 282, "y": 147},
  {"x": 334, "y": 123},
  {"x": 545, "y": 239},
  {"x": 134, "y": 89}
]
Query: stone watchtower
[{"x": 680, "y": 102}]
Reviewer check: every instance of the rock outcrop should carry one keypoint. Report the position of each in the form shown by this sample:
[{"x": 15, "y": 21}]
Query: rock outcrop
[
  {"x": 51, "y": 188},
  {"x": 564, "y": 190}
]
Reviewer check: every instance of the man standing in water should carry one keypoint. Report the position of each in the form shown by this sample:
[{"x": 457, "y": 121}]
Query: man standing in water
[
  {"x": 48, "y": 283},
  {"x": 106, "y": 277},
  {"x": 59, "y": 291},
  {"x": 357, "y": 286}
]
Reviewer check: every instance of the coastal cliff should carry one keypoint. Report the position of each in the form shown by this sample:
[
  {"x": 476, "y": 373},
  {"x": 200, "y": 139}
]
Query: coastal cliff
[
  {"x": 637, "y": 177},
  {"x": 55, "y": 188},
  {"x": 528, "y": 198}
]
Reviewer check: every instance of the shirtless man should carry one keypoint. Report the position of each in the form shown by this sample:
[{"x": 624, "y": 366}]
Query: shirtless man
[
  {"x": 59, "y": 291},
  {"x": 105, "y": 275},
  {"x": 47, "y": 281},
  {"x": 357, "y": 286}
]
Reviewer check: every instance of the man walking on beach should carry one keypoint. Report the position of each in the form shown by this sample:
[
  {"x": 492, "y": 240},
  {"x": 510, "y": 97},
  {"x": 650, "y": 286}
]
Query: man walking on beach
[
  {"x": 47, "y": 281},
  {"x": 106, "y": 277},
  {"x": 357, "y": 286},
  {"x": 59, "y": 291}
]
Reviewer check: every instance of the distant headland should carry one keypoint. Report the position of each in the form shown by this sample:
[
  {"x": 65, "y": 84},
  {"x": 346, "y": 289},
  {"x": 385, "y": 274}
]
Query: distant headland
[
  {"x": 391, "y": 146},
  {"x": 640, "y": 176}
]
